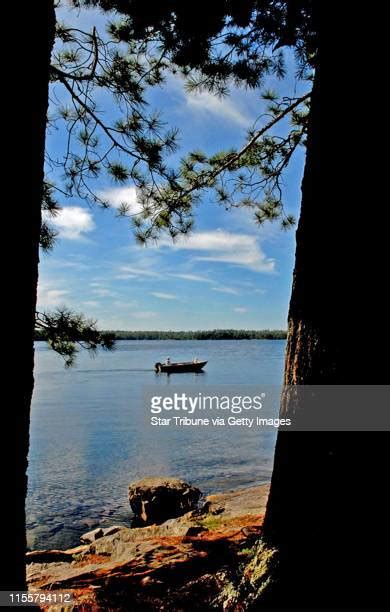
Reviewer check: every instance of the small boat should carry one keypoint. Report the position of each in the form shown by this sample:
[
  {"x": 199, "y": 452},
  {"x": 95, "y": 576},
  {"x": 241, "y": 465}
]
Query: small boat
[{"x": 184, "y": 366}]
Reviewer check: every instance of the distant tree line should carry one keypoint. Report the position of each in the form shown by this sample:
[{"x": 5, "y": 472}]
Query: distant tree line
[{"x": 212, "y": 334}]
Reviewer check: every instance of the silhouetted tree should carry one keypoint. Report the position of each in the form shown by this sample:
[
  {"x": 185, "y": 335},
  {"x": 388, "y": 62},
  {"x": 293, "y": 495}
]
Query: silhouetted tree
[{"x": 13, "y": 575}]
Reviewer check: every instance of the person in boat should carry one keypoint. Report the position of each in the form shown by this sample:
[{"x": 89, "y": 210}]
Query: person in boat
[
  {"x": 196, "y": 360},
  {"x": 168, "y": 361}
]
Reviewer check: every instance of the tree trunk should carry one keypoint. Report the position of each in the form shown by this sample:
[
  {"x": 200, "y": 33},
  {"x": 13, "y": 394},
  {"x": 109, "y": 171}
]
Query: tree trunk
[
  {"x": 328, "y": 510},
  {"x": 13, "y": 575}
]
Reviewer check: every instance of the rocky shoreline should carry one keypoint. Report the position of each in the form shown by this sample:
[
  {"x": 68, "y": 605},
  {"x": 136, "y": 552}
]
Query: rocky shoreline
[{"x": 194, "y": 560}]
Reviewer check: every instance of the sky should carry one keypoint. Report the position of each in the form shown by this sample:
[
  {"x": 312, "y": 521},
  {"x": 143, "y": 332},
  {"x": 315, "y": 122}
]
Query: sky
[{"x": 229, "y": 273}]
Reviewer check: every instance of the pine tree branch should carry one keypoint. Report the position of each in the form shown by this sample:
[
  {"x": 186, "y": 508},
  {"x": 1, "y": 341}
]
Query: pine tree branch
[
  {"x": 239, "y": 154},
  {"x": 85, "y": 77},
  {"x": 99, "y": 122}
]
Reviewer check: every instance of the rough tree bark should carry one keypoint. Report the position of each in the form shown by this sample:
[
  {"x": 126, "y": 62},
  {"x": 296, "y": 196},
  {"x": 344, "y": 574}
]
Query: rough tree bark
[
  {"x": 13, "y": 575},
  {"x": 328, "y": 510}
]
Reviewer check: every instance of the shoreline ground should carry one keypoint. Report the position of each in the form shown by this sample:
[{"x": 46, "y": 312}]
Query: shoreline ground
[{"x": 169, "y": 564}]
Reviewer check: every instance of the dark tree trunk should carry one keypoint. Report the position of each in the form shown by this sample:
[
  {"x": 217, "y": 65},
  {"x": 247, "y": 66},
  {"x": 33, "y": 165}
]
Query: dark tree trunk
[
  {"x": 36, "y": 100},
  {"x": 328, "y": 510}
]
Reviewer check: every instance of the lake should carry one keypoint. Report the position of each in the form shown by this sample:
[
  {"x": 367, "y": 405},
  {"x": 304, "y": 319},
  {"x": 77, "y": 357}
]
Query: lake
[{"x": 90, "y": 439}]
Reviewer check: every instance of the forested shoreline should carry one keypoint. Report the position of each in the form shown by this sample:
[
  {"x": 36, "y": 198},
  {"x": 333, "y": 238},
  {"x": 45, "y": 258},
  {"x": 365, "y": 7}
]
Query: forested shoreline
[{"x": 212, "y": 334}]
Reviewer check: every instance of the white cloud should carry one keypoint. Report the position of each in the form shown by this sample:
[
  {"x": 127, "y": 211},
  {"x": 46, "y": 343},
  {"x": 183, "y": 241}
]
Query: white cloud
[
  {"x": 73, "y": 265},
  {"x": 125, "y": 276},
  {"x": 226, "y": 290},
  {"x": 121, "y": 195},
  {"x": 240, "y": 309},
  {"x": 164, "y": 296},
  {"x": 225, "y": 247},
  {"x": 72, "y": 222},
  {"x": 128, "y": 272},
  {"x": 48, "y": 298},
  {"x": 136, "y": 272},
  {"x": 101, "y": 292},
  {"x": 144, "y": 314},
  {"x": 193, "y": 277},
  {"x": 91, "y": 303},
  {"x": 233, "y": 108},
  {"x": 224, "y": 108},
  {"x": 119, "y": 304}
]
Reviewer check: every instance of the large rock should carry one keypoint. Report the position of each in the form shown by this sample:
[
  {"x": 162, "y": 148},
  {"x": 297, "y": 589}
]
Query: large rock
[
  {"x": 157, "y": 499},
  {"x": 99, "y": 532},
  {"x": 93, "y": 535}
]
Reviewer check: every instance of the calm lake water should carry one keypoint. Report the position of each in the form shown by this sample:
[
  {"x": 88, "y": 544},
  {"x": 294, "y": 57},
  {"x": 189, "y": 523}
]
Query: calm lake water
[{"x": 90, "y": 439}]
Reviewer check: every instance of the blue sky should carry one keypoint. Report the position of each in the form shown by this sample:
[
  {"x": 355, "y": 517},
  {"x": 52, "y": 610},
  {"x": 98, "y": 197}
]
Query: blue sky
[{"x": 229, "y": 273}]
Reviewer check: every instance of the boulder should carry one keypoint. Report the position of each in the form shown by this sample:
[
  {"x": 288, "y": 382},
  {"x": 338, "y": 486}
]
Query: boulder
[
  {"x": 157, "y": 499},
  {"x": 111, "y": 530},
  {"x": 93, "y": 535},
  {"x": 48, "y": 556}
]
